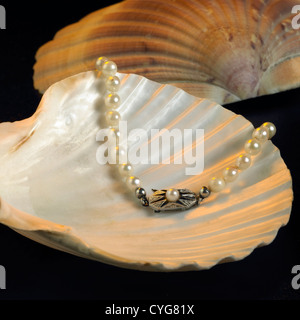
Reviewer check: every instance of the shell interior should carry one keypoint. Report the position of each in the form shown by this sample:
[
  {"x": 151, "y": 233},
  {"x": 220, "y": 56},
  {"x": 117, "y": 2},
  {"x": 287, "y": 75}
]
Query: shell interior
[{"x": 55, "y": 192}]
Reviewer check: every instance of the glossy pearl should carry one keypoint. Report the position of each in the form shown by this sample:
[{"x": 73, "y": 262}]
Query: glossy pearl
[
  {"x": 109, "y": 69},
  {"x": 133, "y": 182},
  {"x": 113, "y": 118},
  {"x": 121, "y": 154},
  {"x": 261, "y": 134},
  {"x": 217, "y": 184},
  {"x": 252, "y": 147},
  {"x": 113, "y": 84},
  {"x": 112, "y": 101},
  {"x": 99, "y": 63},
  {"x": 114, "y": 133},
  {"x": 271, "y": 127},
  {"x": 125, "y": 169},
  {"x": 243, "y": 162},
  {"x": 172, "y": 195},
  {"x": 117, "y": 155},
  {"x": 230, "y": 174}
]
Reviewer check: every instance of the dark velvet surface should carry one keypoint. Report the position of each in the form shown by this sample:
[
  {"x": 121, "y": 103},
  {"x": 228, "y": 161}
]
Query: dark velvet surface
[{"x": 38, "y": 272}]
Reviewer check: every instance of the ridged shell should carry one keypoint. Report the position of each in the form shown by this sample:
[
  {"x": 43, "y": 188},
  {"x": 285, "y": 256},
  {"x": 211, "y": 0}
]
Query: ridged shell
[
  {"x": 221, "y": 50},
  {"x": 55, "y": 192}
]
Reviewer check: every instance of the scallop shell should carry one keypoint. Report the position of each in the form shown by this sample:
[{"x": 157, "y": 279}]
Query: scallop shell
[
  {"x": 55, "y": 192},
  {"x": 221, "y": 50}
]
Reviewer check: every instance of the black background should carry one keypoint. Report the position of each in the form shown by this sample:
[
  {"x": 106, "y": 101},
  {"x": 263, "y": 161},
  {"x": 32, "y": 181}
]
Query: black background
[{"x": 36, "y": 272}]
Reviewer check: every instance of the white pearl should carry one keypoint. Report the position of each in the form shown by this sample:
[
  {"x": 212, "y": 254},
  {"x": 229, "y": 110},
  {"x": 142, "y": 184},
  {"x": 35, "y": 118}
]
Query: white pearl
[
  {"x": 112, "y": 101},
  {"x": 99, "y": 63},
  {"x": 114, "y": 133},
  {"x": 243, "y": 162},
  {"x": 113, "y": 118},
  {"x": 261, "y": 134},
  {"x": 172, "y": 195},
  {"x": 271, "y": 127},
  {"x": 113, "y": 84},
  {"x": 125, "y": 169},
  {"x": 121, "y": 154},
  {"x": 109, "y": 69},
  {"x": 230, "y": 174},
  {"x": 216, "y": 184},
  {"x": 117, "y": 155},
  {"x": 133, "y": 182},
  {"x": 252, "y": 147}
]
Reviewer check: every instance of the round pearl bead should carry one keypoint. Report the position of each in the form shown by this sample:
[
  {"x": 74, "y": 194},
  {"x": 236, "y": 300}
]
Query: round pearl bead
[
  {"x": 230, "y": 174},
  {"x": 112, "y": 101},
  {"x": 133, "y": 182},
  {"x": 113, "y": 118},
  {"x": 109, "y": 69},
  {"x": 271, "y": 127},
  {"x": 121, "y": 154},
  {"x": 216, "y": 184},
  {"x": 243, "y": 162},
  {"x": 113, "y": 84},
  {"x": 99, "y": 63},
  {"x": 125, "y": 169},
  {"x": 172, "y": 195},
  {"x": 261, "y": 134},
  {"x": 117, "y": 155},
  {"x": 114, "y": 133},
  {"x": 252, "y": 147}
]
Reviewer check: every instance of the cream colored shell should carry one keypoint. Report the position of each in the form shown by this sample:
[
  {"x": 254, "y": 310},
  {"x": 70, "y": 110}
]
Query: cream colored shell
[
  {"x": 222, "y": 50},
  {"x": 54, "y": 191}
]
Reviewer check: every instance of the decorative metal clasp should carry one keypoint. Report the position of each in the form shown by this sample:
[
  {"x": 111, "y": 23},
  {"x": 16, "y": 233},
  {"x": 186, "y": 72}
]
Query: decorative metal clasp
[{"x": 159, "y": 201}]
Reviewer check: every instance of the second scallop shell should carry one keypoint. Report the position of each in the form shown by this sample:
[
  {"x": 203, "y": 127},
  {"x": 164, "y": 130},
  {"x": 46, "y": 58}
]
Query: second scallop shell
[
  {"x": 54, "y": 191},
  {"x": 222, "y": 50}
]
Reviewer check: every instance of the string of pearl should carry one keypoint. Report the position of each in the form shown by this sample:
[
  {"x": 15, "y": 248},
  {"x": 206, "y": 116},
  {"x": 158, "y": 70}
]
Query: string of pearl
[{"x": 252, "y": 147}]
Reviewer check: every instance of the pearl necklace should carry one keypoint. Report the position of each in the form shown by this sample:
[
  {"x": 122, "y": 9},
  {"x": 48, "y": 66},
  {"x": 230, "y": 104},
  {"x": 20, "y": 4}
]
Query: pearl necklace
[{"x": 171, "y": 199}]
